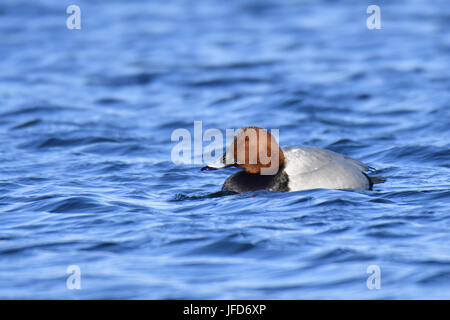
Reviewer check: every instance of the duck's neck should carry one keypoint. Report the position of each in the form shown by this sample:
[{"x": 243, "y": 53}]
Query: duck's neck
[{"x": 243, "y": 182}]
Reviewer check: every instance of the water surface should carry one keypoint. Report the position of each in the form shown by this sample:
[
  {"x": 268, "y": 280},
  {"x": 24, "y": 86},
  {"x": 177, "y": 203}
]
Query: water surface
[{"x": 86, "y": 176}]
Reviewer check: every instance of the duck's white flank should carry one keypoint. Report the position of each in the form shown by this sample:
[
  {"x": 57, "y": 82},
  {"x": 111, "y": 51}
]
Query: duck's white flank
[{"x": 314, "y": 168}]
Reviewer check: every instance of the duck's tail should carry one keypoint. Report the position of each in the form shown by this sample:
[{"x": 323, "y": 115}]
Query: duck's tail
[{"x": 374, "y": 180}]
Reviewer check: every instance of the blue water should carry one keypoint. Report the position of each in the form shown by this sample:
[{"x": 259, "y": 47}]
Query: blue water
[{"x": 86, "y": 177}]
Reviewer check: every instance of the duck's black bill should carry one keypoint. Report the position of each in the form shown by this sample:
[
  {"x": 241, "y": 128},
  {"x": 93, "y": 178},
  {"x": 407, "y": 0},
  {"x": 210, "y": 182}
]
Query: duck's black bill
[
  {"x": 208, "y": 168},
  {"x": 221, "y": 163},
  {"x": 215, "y": 168}
]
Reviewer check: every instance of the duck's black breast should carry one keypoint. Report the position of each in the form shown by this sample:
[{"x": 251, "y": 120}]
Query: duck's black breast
[{"x": 243, "y": 182}]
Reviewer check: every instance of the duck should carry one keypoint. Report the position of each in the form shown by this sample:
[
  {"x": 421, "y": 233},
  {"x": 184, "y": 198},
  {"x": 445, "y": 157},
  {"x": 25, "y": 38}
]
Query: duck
[{"x": 266, "y": 166}]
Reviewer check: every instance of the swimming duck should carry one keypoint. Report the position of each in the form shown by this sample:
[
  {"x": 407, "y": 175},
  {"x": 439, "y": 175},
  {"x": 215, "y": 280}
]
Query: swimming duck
[{"x": 269, "y": 167}]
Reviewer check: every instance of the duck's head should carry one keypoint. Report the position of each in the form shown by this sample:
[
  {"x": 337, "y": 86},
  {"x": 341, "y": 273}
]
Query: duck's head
[{"x": 253, "y": 149}]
